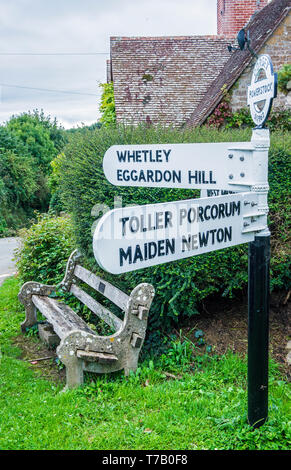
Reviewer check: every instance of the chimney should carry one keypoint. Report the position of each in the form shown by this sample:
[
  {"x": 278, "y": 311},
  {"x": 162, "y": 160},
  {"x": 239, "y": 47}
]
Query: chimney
[
  {"x": 233, "y": 15},
  {"x": 109, "y": 71}
]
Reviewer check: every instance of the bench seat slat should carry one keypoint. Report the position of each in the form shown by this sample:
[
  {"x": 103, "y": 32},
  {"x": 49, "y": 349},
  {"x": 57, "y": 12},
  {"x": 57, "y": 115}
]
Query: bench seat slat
[
  {"x": 61, "y": 316},
  {"x": 112, "y": 293},
  {"x": 102, "y": 312},
  {"x": 91, "y": 356}
]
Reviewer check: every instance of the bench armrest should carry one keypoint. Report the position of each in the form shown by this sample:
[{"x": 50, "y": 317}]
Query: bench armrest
[
  {"x": 26, "y": 292},
  {"x": 34, "y": 288}
]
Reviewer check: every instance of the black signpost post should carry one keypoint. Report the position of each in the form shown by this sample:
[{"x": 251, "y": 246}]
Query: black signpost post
[
  {"x": 258, "y": 330},
  {"x": 260, "y": 97}
]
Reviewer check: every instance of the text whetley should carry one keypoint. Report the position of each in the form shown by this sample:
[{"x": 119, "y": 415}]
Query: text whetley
[
  {"x": 190, "y": 166},
  {"x": 131, "y": 238}
]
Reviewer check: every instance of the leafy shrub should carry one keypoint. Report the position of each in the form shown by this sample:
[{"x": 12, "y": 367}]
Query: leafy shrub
[
  {"x": 107, "y": 106},
  {"x": 284, "y": 76},
  {"x": 45, "y": 249},
  {"x": 224, "y": 117},
  {"x": 239, "y": 118},
  {"x": 17, "y": 182},
  {"x": 279, "y": 204},
  {"x": 3, "y": 226},
  {"x": 28, "y": 143},
  {"x": 55, "y": 205},
  {"x": 43, "y": 137},
  {"x": 16, "y": 170},
  {"x": 280, "y": 119},
  {"x": 180, "y": 285},
  {"x": 221, "y": 116}
]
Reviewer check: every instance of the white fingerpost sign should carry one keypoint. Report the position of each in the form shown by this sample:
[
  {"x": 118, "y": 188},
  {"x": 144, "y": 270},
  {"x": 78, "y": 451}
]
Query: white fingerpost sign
[
  {"x": 262, "y": 90},
  {"x": 131, "y": 238},
  {"x": 216, "y": 166}
]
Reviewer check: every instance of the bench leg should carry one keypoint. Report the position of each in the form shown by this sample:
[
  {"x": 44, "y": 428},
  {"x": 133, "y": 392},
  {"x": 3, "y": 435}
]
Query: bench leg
[
  {"x": 131, "y": 363},
  {"x": 74, "y": 373},
  {"x": 30, "y": 317}
]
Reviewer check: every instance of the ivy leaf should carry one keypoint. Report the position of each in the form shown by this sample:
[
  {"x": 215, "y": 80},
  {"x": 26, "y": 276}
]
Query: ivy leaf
[{"x": 199, "y": 333}]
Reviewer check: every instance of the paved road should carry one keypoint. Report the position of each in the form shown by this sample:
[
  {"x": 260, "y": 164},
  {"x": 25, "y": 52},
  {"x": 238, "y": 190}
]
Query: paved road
[{"x": 7, "y": 266}]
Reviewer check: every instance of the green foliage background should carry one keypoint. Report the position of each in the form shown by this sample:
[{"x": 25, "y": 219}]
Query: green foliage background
[
  {"x": 17, "y": 183},
  {"x": 284, "y": 76},
  {"x": 43, "y": 138},
  {"x": 181, "y": 285},
  {"x": 28, "y": 143},
  {"x": 45, "y": 249}
]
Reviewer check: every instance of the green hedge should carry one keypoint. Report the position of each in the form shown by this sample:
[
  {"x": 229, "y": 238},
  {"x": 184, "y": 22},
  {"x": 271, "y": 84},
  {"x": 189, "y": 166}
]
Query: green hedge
[
  {"x": 17, "y": 182},
  {"x": 45, "y": 249},
  {"x": 180, "y": 285}
]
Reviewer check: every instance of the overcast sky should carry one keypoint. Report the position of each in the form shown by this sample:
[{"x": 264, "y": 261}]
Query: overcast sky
[{"x": 79, "y": 27}]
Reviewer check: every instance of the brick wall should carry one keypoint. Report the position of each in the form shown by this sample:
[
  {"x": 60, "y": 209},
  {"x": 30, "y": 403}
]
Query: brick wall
[
  {"x": 232, "y": 15},
  {"x": 279, "y": 49}
]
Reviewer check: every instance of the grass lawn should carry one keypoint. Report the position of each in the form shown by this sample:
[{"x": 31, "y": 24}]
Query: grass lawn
[{"x": 205, "y": 408}]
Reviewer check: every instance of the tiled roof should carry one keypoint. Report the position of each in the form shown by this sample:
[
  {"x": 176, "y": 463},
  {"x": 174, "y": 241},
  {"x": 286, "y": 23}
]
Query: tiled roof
[
  {"x": 179, "y": 71},
  {"x": 261, "y": 26}
]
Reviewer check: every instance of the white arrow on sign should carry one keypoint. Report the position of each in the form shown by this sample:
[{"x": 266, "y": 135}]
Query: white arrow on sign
[
  {"x": 131, "y": 238},
  {"x": 190, "y": 166}
]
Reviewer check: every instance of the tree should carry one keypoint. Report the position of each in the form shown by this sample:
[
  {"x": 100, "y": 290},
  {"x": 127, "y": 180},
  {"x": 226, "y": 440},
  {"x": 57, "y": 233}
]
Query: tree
[
  {"x": 17, "y": 179},
  {"x": 43, "y": 137},
  {"x": 107, "y": 107}
]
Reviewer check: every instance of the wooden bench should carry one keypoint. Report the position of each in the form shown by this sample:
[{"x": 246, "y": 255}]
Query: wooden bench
[{"x": 80, "y": 348}]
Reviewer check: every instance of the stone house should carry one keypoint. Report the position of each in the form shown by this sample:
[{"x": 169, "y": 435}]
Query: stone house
[{"x": 180, "y": 80}]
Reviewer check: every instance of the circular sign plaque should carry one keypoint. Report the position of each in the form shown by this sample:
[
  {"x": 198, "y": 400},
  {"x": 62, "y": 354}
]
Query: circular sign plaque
[{"x": 262, "y": 90}]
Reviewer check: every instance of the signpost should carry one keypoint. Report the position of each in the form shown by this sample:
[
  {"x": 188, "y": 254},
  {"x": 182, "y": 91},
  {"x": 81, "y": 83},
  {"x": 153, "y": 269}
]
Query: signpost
[
  {"x": 131, "y": 238},
  {"x": 227, "y": 166},
  {"x": 137, "y": 237},
  {"x": 261, "y": 92}
]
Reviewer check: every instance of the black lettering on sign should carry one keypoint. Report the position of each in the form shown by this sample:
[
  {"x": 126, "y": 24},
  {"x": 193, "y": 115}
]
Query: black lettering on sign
[
  {"x": 217, "y": 192},
  {"x": 145, "y": 223},
  {"x": 125, "y": 255},
  {"x": 140, "y": 156},
  {"x": 201, "y": 177},
  {"x": 193, "y": 242},
  {"x": 203, "y": 238},
  {"x": 146, "y": 251},
  {"x": 149, "y": 176},
  {"x": 214, "y": 211}
]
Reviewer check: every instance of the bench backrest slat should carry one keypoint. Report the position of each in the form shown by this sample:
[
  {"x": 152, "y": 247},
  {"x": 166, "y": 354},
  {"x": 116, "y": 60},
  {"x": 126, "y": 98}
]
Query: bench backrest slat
[
  {"x": 109, "y": 291},
  {"x": 102, "y": 312}
]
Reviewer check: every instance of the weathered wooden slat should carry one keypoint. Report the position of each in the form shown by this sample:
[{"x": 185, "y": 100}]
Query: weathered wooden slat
[
  {"x": 112, "y": 293},
  {"x": 60, "y": 316},
  {"x": 92, "y": 356},
  {"x": 102, "y": 312}
]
